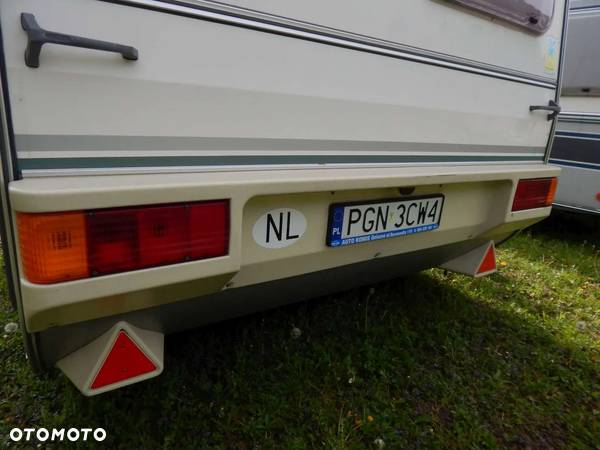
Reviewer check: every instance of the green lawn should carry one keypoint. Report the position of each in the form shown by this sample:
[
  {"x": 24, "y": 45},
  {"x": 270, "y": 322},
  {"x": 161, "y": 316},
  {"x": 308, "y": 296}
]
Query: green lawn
[{"x": 434, "y": 360}]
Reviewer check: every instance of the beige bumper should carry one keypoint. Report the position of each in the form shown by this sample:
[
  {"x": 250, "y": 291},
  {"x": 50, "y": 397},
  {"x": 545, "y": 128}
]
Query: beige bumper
[{"x": 477, "y": 206}]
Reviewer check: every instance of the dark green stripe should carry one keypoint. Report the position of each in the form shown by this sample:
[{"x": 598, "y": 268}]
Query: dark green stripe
[{"x": 174, "y": 161}]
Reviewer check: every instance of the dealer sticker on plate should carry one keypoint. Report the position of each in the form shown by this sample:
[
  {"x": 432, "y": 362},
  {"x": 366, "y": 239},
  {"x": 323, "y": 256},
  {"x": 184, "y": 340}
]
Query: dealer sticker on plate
[{"x": 353, "y": 223}]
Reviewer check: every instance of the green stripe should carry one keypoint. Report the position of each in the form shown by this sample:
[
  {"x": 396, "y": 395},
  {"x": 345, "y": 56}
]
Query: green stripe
[
  {"x": 174, "y": 161},
  {"x": 99, "y": 143}
]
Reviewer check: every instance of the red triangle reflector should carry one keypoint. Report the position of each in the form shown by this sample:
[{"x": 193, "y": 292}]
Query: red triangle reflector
[
  {"x": 489, "y": 261},
  {"x": 125, "y": 360}
]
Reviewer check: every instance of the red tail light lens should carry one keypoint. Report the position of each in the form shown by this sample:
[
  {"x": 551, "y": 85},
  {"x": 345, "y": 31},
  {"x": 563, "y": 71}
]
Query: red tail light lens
[
  {"x": 534, "y": 193},
  {"x": 161, "y": 233},
  {"x": 112, "y": 241},
  {"x": 119, "y": 240},
  {"x": 209, "y": 230}
]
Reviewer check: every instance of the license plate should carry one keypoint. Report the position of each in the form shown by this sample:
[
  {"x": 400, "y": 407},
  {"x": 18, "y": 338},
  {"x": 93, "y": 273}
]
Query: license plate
[{"x": 353, "y": 223}]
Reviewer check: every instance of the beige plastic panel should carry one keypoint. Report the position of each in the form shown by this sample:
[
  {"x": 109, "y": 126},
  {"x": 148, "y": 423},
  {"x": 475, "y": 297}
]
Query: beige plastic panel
[{"x": 477, "y": 205}]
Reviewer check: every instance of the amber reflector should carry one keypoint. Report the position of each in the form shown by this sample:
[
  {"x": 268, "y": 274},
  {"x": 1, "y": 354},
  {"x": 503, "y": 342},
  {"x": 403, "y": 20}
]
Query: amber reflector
[{"x": 53, "y": 246}]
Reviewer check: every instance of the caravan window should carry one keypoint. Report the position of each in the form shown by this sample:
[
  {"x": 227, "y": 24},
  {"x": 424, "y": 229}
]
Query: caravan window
[
  {"x": 535, "y": 15},
  {"x": 582, "y": 55}
]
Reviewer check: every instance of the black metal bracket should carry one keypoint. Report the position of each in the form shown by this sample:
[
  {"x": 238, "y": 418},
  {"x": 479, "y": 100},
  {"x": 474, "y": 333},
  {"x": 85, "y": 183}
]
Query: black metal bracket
[
  {"x": 552, "y": 106},
  {"x": 37, "y": 37}
]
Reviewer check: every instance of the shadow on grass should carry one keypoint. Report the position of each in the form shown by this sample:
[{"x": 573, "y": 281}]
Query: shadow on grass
[
  {"x": 572, "y": 227},
  {"x": 416, "y": 362}
]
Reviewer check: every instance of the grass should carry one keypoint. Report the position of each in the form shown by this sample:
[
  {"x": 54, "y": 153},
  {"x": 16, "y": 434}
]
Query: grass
[{"x": 434, "y": 360}]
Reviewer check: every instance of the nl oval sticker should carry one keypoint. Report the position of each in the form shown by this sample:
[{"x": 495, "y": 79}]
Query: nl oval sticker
[{"x": 279, "y": 228}]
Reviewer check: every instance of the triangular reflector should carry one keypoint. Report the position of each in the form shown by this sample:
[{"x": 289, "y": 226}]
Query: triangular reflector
[
  {"x": 489, "y": 261},
  {"x": 124, "y": 361}
]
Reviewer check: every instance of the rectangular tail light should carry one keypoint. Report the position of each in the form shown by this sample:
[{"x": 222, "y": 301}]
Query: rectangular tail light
[
  {"x": 534, "y": 193},
  {"x": 58, "y": 247}
]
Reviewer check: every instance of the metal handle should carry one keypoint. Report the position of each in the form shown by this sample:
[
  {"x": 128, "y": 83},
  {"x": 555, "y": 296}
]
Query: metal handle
[
  {"x": 37, "y": 36},
  {"x": 552, "y": 106}
]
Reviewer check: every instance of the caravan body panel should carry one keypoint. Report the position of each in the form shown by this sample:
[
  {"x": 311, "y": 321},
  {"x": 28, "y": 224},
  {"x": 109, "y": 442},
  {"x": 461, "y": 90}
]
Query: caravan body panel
[
  {"x": 278, "y": 110},
  {"x": 205, "y": 95}
]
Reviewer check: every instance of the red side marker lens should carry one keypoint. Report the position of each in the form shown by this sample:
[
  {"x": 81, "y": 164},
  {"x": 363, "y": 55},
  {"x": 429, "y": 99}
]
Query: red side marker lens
[{"x": 534, "y": 193}]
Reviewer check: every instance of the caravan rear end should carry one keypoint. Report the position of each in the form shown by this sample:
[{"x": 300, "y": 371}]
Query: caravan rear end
[{"x": 168, "y": 164}]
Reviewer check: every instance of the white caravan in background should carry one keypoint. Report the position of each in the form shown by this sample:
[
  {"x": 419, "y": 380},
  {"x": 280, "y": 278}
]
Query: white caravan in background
[
  {"x": 577, "y": 143},
  {"x": 167, "y": 164}
]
